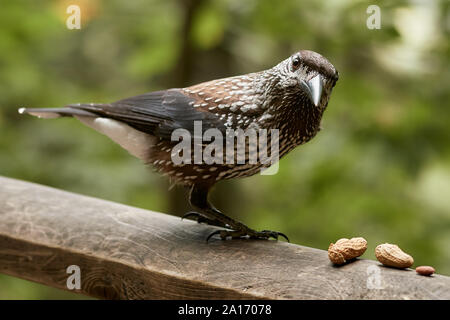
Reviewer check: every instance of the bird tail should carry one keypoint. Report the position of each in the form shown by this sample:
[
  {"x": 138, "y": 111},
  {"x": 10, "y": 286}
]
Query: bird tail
[
  {"x": 50, "y": 113},
  {"x": 136, "y": 142}
]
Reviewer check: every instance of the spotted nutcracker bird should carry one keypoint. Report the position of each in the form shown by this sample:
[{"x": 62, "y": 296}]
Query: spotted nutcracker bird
[{"x": 290, "y": 97}]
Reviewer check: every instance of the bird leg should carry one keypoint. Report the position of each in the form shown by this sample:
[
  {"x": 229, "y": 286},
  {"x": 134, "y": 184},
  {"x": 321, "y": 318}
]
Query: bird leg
[
  {"x": 199, "y": 199},
  {"x": 202, "y": 219}
]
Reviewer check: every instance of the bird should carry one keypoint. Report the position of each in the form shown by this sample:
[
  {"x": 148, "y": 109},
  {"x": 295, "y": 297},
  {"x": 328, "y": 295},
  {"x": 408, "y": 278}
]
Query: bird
[{"x": 290, "y": 98}]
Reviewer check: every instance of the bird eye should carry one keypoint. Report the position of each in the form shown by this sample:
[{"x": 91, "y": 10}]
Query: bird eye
[{"x": 295, "y": 63}]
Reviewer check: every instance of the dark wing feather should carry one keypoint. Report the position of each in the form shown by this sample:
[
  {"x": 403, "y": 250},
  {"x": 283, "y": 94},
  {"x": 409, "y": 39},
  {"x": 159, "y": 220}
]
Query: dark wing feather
[{"x": 157, "y": 113}]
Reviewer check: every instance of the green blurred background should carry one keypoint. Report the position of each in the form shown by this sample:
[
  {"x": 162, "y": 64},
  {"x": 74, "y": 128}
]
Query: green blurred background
[{"x": 380, "y": 168}]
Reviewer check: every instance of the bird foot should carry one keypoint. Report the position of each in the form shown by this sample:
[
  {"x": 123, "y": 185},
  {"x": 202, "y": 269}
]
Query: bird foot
[
  {"x": 202, "y": 219},
  {"x": 247, "y": 233}
]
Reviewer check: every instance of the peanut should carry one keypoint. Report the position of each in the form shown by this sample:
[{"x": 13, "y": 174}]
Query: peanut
[
  {"x": 346, "y": 249},
  {"x": 391, "y": 255},
  {"x": 425, "y": 270}
]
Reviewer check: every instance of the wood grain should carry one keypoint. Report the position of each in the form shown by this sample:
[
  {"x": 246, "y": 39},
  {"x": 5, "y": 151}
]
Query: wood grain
[{"x": 130, "y": 253}]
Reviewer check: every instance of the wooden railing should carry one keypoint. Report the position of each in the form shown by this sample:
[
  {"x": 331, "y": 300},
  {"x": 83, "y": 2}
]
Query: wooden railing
[{"x": 129, "y": 253}]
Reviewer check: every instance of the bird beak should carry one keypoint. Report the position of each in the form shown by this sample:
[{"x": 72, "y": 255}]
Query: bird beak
[{"x": 313, "y": 89}]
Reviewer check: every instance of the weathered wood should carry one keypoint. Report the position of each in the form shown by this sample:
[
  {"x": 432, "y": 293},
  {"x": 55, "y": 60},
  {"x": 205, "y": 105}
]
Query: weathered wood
[{"x": 130, "y": 253}]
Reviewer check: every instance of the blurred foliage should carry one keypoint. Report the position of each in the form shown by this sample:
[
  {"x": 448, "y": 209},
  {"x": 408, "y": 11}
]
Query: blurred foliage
[
  {"x": 379, "y": 169},
  {"x": 14, "y": 288}
]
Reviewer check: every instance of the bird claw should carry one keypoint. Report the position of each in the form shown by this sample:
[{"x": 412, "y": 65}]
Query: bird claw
[
  {"x": 191, "y": 214},
  {"x": 216, "y": 232},
  {"x": 264, "y": 234},
  {"x": 272, "y": 234}
]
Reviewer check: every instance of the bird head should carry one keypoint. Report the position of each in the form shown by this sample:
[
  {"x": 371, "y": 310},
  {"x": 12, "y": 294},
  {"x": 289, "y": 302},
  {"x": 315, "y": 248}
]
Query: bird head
[{"x": 310, "y": 75}]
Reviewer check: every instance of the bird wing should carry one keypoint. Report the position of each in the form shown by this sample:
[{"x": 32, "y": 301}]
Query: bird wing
[
  {"x": 222, "y": 104},
  {"x": 228, "y": 103},
  {"x": 158, "y": 113}
]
